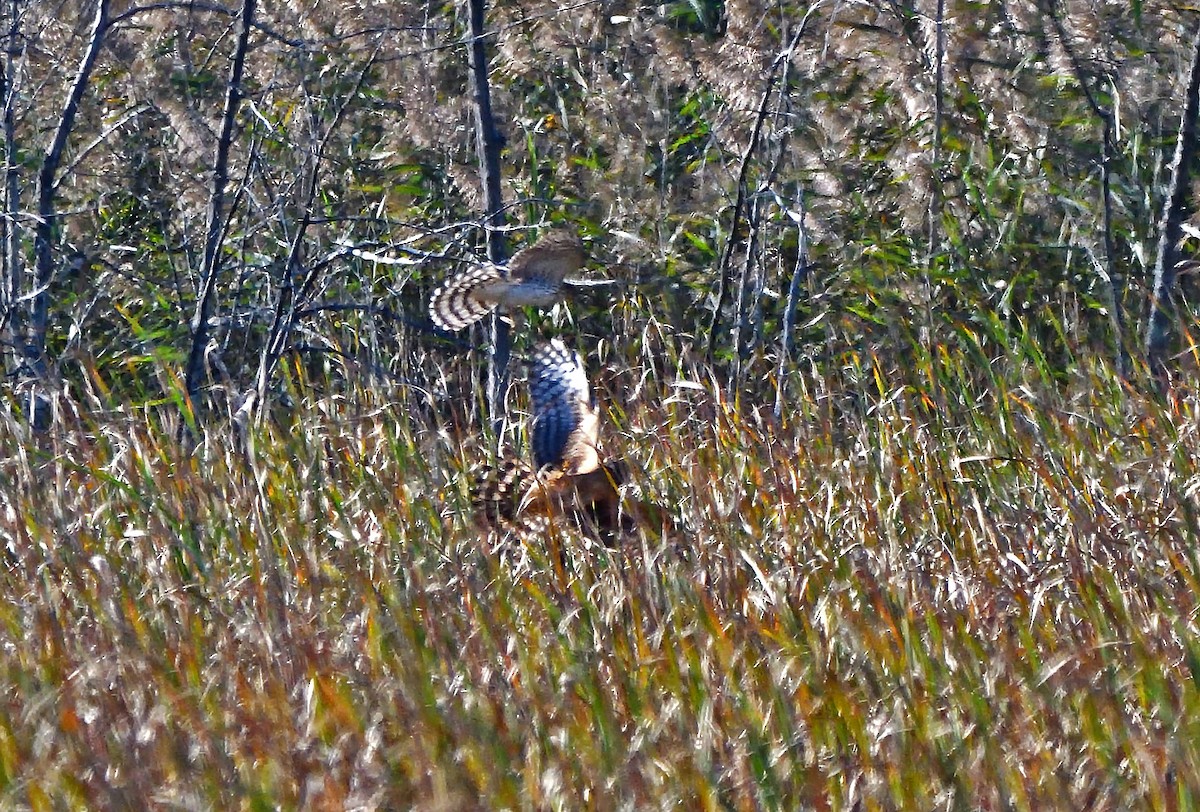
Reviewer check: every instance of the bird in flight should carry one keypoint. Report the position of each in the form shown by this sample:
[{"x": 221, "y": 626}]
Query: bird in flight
[
  {"x": 533, "y": 277},
  {"x": 568, "y": 484}
]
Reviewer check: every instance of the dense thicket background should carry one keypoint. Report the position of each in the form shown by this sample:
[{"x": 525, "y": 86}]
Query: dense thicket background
[
  {"x": 713, "y": 153},
  {"x": 874, "y": 265}
]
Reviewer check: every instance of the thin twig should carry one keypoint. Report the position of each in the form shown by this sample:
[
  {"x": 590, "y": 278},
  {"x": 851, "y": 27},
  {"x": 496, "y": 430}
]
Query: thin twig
[
  {"x": 743, "y": 175},
  {"x": 1115, "y": 279}
]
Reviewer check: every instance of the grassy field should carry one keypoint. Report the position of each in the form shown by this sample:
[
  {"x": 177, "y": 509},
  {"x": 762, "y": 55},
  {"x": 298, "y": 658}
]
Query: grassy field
[{"x": 925, "y": 594}]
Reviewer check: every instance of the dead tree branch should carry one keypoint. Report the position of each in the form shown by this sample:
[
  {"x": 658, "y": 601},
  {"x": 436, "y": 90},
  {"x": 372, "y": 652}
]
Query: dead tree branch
[
  {"x": 1116, "y": 279},
  {"x": 724, "y": 271},
  {"x": 487, "y": 145},
  {"x": 47, "y": 221},
  {"x": 13, "y": 262},
  {"x": 211, "y": 262},
  {"x": 289, "y": 298},
  {"x": 1170, "y": 229}
]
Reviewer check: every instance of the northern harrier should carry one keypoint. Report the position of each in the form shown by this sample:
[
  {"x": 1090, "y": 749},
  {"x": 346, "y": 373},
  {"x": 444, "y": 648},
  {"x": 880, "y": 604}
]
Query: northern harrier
[
  {"x": 533, "y": 277},
  {"x": 568, "y": 485}
]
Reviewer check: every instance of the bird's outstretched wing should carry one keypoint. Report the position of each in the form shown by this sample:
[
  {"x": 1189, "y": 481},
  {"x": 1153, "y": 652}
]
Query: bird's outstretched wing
[
  {"x": 533, "y": 277},
  {"x": 548, "y": 261},
  {"x": 467, "y": 297},
  {"x": 567, "y": 487},
  {"x": 566, "y": 423}
]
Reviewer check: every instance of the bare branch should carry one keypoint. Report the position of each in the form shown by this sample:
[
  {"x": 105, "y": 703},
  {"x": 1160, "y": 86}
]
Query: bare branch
[
  {"x": 210, "y": 267},
  {"x": 10, "y": 285},
  {"x": 739, "y": 205},
  {"x": 286, "y": 303},
  {"x": 35, "y": 347},
  {"x": 1170, "y": 229},
  {"x": 100, "y": 139},
  {"x": 487, "y": 145},
  {"x": 1114, "y": 277}
]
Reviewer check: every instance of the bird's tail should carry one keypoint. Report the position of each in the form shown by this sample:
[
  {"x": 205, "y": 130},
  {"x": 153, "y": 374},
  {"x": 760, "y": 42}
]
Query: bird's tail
[
  {"x": 453, "y": 307},
  {"x": 498, "y": 496},
  {"x": 511, "y": 498}
]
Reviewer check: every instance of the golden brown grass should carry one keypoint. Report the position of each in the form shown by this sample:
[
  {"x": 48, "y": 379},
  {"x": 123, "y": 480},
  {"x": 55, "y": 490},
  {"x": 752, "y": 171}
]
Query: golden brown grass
[{"x": 928, "y": 595}]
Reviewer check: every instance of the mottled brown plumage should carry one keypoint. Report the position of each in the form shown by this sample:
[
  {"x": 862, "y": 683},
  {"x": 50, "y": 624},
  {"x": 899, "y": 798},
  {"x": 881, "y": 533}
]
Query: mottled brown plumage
[
  {"x": 532, "y": 278},
  {"x": 568, "y": 486}
]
